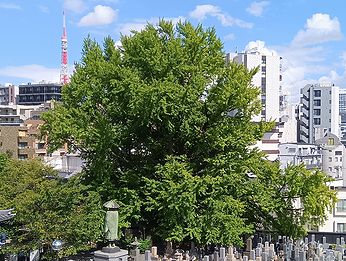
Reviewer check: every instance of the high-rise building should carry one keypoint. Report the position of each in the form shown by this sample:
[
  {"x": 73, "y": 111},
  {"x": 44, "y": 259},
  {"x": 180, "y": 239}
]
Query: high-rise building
[
  {"x": 342, "y": 111},
  {"x": 319, "y": 112},
  {"x": 268, "y": 79},
  {"x": 38, "y": 93}
]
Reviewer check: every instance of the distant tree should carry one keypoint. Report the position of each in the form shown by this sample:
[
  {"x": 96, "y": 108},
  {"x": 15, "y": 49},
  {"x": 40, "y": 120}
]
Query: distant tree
[
  {"x": 165, "y": 127},
  {"x": 47, "y": 209}
]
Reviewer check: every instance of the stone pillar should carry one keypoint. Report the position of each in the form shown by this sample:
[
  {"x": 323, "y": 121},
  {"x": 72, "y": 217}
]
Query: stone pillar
[{"x": 222, "y": 254}]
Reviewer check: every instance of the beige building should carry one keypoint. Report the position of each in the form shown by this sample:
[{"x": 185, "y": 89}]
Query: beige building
[{"x": 16, "y": 141}]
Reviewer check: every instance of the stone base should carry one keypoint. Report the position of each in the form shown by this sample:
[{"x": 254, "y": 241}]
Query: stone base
[
  {"x": 110, "y": 249},
  {"x": 121, "y": 255}
]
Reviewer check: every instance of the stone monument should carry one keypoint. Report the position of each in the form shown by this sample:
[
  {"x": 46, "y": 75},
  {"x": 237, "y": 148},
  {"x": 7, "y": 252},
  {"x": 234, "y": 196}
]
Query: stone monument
[{"x": 111, "y": 252}]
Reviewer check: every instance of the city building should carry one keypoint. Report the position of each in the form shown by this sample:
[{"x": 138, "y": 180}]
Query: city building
[
  {"x": 9, "y": 116},
  {"x": 268, "y": 79},
  {"x": 333, "y": 152},
  {"x": 15, "y": 115},
  {"x": 15, "y": 141},
  {"x": 297, "y": 153},
  {"x": 336, "y": 218},
  {"x": 342, "y": 111},
  {"x": 7, "y": 94},
  {"x": 319, "y": 112},
  {"x": 39, "y": 143},
  {"x": 38, "y": 93},
  {"x": 67, "y": 164},
  {"x": 288, "y": 124}
]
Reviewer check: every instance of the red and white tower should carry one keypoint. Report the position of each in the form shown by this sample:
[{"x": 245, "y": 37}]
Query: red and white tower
[{"x": 64, "y": 77}]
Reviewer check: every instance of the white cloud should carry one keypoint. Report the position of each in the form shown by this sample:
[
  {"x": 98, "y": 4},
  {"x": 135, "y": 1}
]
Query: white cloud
[
  {"x": 318, "y": 29},
  {"x": 338, "y": 79},
  {"x": 101, "y": 15},
  {"x": 304, "y": 59},
  {"x": 301, "y": 66},
  {"x": 202, "y": 11},
  {"x": 32, "y": 72},
  {"x": 259, "y": 46},
  {"x": 4, "y": 5},
  {"x": 257, "y": 8},
  {"x": 76, "y": 6},
  {"x": 140, "y": 24}
]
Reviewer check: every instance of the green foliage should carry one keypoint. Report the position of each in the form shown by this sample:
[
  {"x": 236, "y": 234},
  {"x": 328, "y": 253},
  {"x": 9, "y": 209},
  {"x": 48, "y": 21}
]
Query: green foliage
[
  {"x": 144, "y": 244},
  {"x": 165, "y": 127},
  {"x": 48, "y": 209}
]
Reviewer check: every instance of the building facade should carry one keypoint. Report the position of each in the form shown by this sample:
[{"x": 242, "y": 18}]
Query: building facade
[
  {"x": 298, "y": 153},
  {"x": 7, "y": 94},
  {"x": 342, "y": 111},
  {"x": 268, "y": 78},
  {"x": 336, "y": 219},
  {"x": 319, "y": 112},
  {"x": 9, "y": 116},
  {"x": 38, "y": 93},
  {"x": 15, "y": 141},
  {"x": 333, "y": 152}
]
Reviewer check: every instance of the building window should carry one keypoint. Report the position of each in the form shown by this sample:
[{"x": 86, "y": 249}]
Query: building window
[
  {"x": 264, "y": 59},
  {"x": 22, "y": 156},
  {"x": 330, "y": 141},
  {"x": 336, "y": 159},
  {"x": 22, "y": 145},
  {"x": 341, "y": 227},
  {"x": 330, "y": 159},
  {"x": 317, "y": 102},
  {"x": 317, "y": 112},
  {"x": 317, "y": 93},
  {"x": 291, "y": 150},
  {"x": 22, "y": 133},
  {"x": 338, "y": 152},
  {"x": 341, "y": 205},
  {"x": 263, "y": 82},
  {"x": 317, "y": 121}
]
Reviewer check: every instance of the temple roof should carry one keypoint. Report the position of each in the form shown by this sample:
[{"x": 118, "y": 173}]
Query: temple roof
[{"x": 6, "y": 214}]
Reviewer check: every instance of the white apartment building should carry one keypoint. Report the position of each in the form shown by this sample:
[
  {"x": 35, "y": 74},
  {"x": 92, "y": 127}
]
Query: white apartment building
[
  {"x": 342, "y": 111},
  {"x": 333, "y": 152},
  {"x": 288, "y": 124},
  {"x": 268, "y": 79},
  {"x": 297, "y": 153},
  {"x": 336, "y": 219},
  {"x": 319, "y": 113}
]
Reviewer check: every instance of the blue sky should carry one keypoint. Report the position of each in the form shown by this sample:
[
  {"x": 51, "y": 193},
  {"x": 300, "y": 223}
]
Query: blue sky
[{"x": 308, "y": 34}]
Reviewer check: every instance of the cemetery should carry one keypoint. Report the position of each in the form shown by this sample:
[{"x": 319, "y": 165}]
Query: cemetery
[{"x": 281, "y": 249}]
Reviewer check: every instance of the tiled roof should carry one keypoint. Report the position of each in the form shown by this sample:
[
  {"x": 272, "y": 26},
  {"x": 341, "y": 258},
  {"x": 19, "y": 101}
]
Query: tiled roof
[{"x": 6, "y": 214}]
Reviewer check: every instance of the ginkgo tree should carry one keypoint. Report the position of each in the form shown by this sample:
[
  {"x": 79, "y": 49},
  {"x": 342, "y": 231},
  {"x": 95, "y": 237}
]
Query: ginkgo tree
[{"x": 165, "y": 127}]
